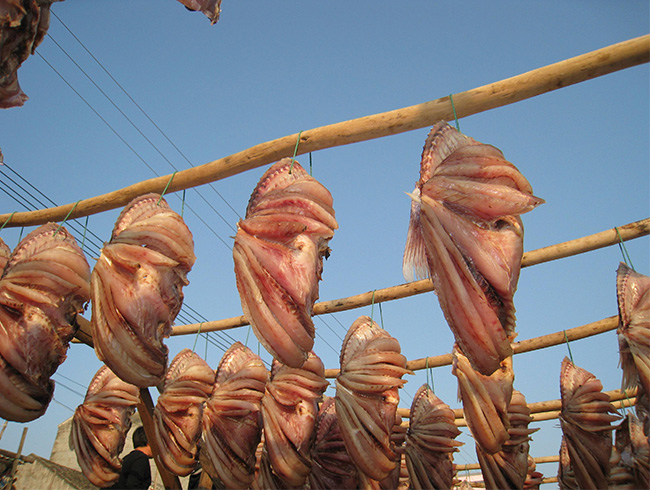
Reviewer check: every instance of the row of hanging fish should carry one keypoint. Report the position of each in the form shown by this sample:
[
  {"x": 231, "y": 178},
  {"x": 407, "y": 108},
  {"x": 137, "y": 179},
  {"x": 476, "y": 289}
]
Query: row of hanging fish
[{"x": 251, "y": 428}]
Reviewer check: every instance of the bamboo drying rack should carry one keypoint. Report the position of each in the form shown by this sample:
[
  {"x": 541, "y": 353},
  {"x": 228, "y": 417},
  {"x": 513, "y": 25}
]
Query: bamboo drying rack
[{"x": 574, "y": 70}]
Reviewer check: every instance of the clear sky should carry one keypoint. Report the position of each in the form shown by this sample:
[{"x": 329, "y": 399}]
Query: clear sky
[{"x": 270, "y": 69}]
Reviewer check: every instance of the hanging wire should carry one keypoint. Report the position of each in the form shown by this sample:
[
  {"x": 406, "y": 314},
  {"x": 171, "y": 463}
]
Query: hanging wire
[
  {"x": 295, "y": 151},
  {"x": 621, "y": 245},
  {"x": 66, "y": 217},
  {"x": 453, "y": 108},
  {"x": 568, "y": 346}
]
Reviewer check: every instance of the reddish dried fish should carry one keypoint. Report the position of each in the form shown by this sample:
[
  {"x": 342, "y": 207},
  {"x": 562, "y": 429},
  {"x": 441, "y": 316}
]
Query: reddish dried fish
[
  {"x": 485, "y": 401},
  {"x": 44, "y": 286},
  {"x": 136, "y": 289},
  {"x": 431, "y": 442},
  {"x": 630, "y": 462},
  {"x": 23, "y": 25},
  {"x": 533, "y": 478},
  {"x": 509, "y": 467},
  {"x": 633, "y": 293},
  {"x": 586, "y": 419},
  {"x": 179, "y": 410},
  {"x": 211, "y": 8},
  {"x": 466, "y": 234},
  {"x": 289, "y": 412},
  {"x": 5, "y": 252},
  {"x": 100, "y": 426},
  {"x": 332, "y": 466},
  {"x": 278, "y": 254},
  {"x": 367, "y": 395},
  {"x": 232, "y": 420}
]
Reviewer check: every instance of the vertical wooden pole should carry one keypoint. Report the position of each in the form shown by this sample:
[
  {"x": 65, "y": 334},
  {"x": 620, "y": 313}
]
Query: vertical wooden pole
[
  {"x": 4, "y": 426},
  {"x": 145, "y": 408},
  {"x": 14, "y": 466}
]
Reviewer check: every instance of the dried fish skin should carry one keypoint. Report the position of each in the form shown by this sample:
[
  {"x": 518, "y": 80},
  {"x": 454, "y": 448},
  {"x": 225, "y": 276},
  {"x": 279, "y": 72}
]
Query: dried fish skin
[
  {"x": 278, "y": 256},
  {"x": 586, "y": 419},
  {"x": 289, "y": 413},
  {"x": 466, "y": 234},
  {"x": 367, "y": 396},
  {"x": 232, "y": 420},
  {"x": 633, "y": 297},
  {"x": 100, "y": 425},
  {"x": 332, "y": 466},
  {"x": 136, "y": 289},
  {"x": 179, "y": 411},
  {"x": 5, "y": 252},
  {"x": 44, "y": 285},
  {"x": 485, "y": 401},
  {"x": 430, "y": 442}
]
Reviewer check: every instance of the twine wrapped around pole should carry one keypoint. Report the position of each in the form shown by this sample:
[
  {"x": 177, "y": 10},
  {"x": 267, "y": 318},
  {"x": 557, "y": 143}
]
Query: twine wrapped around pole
[{"x": 574, "y": 70}]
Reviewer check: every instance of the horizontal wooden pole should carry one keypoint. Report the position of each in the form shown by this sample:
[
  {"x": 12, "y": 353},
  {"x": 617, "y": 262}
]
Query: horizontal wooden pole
[
  {"x": 545, "y": 410},
  {"x": 574, "y": 70},
  {"x": 602, "y": 239},
  {"x": 539, "y": 460}
]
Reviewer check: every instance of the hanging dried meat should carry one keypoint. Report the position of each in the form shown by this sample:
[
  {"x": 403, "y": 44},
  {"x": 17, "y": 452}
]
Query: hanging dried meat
[
  {"x": 278, "y": 254},
  {"x": 367, "y": 395},
  {"x": 630, "y": 462},
  {"x": 633, "y": 293},
  {"x": 23, "y": 25},
  {"x": 179, "y": 411},
  {"x": 211, "y": 8},
  {"x": 586, "y": 419},
  {"x": 232, "y": 419},
  {"x": 466, "y": 234},
  {"x": 100, "y": 425},
  {"x": 5, "y": 252},
  {"x": 431, "y": 442},
  {"x": 509, "y": 467},
  {"x": 136, "y": 289},
  {"x": 332, "y": 466},
  {"x": 485, "y": 401},
  {"x": 44, "y": 286},
  {"x": 289, "y": 412}
]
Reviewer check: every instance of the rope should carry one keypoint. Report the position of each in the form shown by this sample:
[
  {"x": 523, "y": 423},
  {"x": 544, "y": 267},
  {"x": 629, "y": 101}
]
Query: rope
[
  {"x": 66, "y": 217},
  {"x": 166, "y": 187},
  {"x": 624, "y": 252},
  {"x": 453, "y": 108},
  {"x": 295, "y": 151}
]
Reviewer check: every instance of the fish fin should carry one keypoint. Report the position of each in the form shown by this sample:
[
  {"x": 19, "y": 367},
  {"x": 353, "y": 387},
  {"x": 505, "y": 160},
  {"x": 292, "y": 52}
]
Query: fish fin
[{"x": 414, "y": 263}]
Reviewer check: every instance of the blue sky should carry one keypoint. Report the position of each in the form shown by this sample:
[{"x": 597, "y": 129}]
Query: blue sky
[{"x": 269, "y": 69}]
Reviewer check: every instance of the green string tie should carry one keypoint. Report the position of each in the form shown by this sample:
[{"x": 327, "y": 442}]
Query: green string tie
[
  {"x": 198, "y": 332},
  {"x": 568, "y": 346},
  {"x": 166, "y": 187},
  {"x": 621, "y": 245},
  {"x": 453, "y": 108},
  {"x": 66, "y": 217},
  {"x": 295, "y": 152},
  {"x": 7, "y": 220}
]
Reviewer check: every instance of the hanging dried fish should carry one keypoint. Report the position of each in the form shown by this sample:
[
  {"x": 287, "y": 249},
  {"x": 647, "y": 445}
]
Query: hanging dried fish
[
  {"x": 100, "y": 425},
  {"x": 278, "y": 254},
  {"x": 630, "y": 462},
  {"x": 136, "y": 289},
  {"x": 485, "y": 401},
  {"x": 179, "y": 411},
  {"x": 332, "y": 466},
  {"x": 211, "y": 8},
  {"x": 633, "y": 294},
  {"x": 586, "y": 419},
  {"x": 367, "y": 395},
  {"x": 466, "y": 234},
  {"x": 289, "y": 412},
  {"x": 509, "y": 467},
  {"x": 232, "y": 420},
  {"x": 44, "y": 286},
  {"x": 23, "y": 25},
  {"x": 5, "y": 252},
  {"x": 431, "y": 442}
]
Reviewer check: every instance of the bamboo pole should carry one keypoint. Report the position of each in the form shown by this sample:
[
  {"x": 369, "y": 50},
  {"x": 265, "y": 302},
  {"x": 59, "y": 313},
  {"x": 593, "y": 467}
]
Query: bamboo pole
[
  {"x": 538, "y": 460},
  {"x": 145, "y": 409},
  {"x": 535, "y": 343},
  {"x": 14, "y": 465},
  {"x": 545, "y": 410},
  {"x": 588, "y": 243},
  {"x": 574, "y": 70}
]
